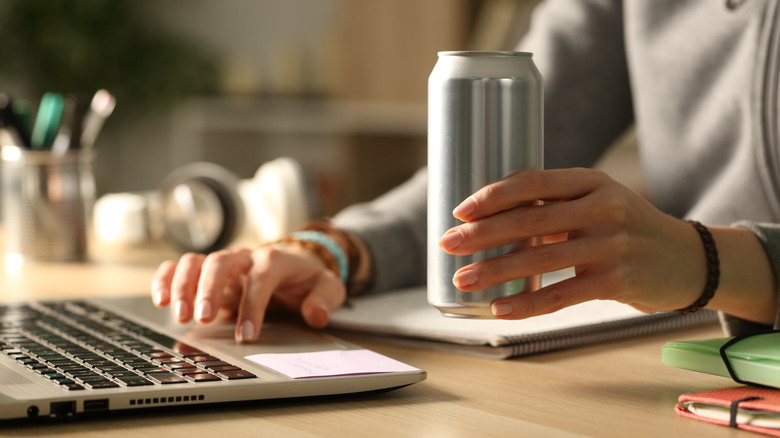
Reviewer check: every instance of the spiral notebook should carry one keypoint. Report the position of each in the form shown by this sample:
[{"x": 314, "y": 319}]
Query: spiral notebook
[{"x": 405, "y": 317}]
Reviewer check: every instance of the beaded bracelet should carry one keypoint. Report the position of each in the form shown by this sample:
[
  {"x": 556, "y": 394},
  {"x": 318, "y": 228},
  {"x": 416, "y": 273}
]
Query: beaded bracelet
[
  {"x": 326, "y": 242},
  {"x": 713, "y": 269},
  {"x": 360, "y": 269}
]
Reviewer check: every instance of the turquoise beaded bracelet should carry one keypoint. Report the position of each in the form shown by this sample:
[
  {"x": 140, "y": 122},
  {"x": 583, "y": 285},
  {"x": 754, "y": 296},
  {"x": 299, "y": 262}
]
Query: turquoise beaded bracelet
[{"x": 329, "y": 244}]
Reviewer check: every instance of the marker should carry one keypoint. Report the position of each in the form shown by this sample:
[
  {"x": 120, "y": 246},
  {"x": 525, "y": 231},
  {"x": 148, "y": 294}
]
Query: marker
[
  {"x": 100, "y": 108},
  {"x": 21, "y": 108},
  {"x": 15, "y": 131},
  {"x": 69, "y": 134},
  {"x": 47, "y": 122}
]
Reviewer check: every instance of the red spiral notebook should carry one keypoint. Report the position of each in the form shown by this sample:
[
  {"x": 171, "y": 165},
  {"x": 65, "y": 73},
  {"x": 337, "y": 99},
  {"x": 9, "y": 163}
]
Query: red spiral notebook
[{"x": 748, "y": 408}]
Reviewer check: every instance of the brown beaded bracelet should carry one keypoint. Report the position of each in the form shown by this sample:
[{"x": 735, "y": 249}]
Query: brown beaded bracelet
[
  {"x": 318, "y": 249},
  {"x": 359, "y": 268},
  {"x": 713, "y": 269}
]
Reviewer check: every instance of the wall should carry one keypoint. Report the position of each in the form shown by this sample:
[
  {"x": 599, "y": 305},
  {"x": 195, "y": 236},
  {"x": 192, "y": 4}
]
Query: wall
[{"x": 309, "y": 50}]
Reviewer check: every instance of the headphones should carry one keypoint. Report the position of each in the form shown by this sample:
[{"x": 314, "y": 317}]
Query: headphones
[{"x": 202, "y": 207}]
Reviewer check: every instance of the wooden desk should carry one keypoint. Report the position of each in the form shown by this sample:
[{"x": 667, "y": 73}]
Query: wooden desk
[{"x": 620, "y": 389}]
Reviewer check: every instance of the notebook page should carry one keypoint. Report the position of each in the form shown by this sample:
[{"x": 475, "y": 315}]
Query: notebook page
[{"x": 407, "y": 313}]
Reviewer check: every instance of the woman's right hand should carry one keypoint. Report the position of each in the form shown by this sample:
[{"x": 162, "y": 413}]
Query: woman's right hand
[{"x": 244, "y": 282}]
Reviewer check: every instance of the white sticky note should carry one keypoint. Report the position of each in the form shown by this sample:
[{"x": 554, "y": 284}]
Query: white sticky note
[{"x": 330, "y": 363}]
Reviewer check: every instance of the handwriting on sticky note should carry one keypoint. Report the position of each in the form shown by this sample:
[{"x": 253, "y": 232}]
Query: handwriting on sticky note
[{"x": 330, "y": 363}]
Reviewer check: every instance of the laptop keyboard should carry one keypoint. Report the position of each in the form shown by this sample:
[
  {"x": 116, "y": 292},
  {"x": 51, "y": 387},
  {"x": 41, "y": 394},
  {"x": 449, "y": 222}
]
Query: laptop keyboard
[{"x": 82, "y": 347}]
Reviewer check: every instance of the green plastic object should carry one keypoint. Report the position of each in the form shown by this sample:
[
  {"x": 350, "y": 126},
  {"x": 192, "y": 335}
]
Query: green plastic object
[
  {"x": 47, "y": 122},
  {"x": 755, "y": 359}
]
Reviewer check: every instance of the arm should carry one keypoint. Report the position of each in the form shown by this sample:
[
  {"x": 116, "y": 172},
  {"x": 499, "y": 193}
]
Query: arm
[
  {"x": 747, "y": 288},
  {"x": 768, "y": 235},
  {"x": 394, "y": 230},
  {"x": 244, "y": 284}
]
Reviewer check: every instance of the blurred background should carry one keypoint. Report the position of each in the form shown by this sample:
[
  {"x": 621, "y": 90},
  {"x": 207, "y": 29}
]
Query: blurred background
[{"x": 339, "y": 85}]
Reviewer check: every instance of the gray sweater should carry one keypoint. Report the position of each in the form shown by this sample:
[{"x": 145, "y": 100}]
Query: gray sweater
[{"x": 698, "y": 78}]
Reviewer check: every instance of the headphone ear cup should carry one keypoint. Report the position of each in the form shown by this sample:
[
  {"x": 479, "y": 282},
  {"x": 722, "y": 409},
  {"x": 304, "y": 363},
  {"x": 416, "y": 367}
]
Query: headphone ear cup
[
  {"x": 122, "y": 218},
  {"x": 280, "y": 199},
  {"x": 201, "y": 208}
]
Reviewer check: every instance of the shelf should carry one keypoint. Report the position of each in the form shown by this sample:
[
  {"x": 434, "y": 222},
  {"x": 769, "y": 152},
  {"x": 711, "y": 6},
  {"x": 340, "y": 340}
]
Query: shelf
[{"x": 301, "y": 116}]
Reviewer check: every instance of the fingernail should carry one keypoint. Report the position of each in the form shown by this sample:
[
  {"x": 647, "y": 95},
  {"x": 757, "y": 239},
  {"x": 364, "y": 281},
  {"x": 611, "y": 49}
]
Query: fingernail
[
  {"x": 451, "y": 240},
  {"x": 180, "y": 310},
  {"x": 246, "y": 331},
  {"x": 319, "y": 315},
  {"x": 501, "y": 309},
  {"x": 466, "y": 208},
  {"x": 157, "y": 296},
  {"x": 203, "y": 311},
  {"x": 465, "y": 278}
]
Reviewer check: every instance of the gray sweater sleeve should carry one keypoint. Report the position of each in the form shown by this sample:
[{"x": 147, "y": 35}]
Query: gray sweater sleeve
[{"x": 394, "y": 229}]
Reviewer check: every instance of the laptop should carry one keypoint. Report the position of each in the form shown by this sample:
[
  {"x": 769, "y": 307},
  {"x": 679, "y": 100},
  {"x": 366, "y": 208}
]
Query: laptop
[{"x": 61, "y": 359}]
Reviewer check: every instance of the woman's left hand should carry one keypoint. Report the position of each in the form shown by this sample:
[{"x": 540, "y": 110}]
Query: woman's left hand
[{"x": 621, "y": 246}]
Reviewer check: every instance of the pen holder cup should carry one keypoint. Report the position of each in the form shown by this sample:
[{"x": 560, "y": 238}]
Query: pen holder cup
[{"x": 46, "y": 203}]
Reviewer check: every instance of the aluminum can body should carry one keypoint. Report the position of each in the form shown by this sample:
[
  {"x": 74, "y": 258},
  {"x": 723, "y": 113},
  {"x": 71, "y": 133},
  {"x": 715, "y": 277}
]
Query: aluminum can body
[{"x": 485, "y": 121}]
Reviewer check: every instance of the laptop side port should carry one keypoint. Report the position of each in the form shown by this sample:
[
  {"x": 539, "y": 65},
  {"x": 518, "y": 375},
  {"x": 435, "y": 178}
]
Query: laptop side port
[
  {"x": 62, "y": 409},
  {"x": 96, "y": 405}
]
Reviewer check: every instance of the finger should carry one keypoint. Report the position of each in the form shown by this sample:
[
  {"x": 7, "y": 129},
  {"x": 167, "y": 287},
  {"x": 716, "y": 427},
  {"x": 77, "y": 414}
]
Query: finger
[
  {"x": 526, "y": 187},
  {"x": 527, "y": 262},
  {"x": 161, "y": 283},
  {"x": 518, "y": 224},
  {"x": 184, "y": 286},
  {"x": 607, "y": 210},
  {"x": 264, "y": 277},
  {"x": 327, "y": 295},
  {"x": 231, "y": 296},
  {"x": 551, "y": 298},
  {"x": 219, "y": 271}
]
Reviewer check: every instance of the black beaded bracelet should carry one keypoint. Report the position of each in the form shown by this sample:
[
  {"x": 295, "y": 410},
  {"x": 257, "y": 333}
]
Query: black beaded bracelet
[{"x": 713, "y": 269}]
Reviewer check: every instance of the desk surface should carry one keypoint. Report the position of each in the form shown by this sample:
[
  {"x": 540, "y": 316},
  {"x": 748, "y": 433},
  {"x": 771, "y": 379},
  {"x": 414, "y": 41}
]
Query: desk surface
[{"x": 620, "y": 389}]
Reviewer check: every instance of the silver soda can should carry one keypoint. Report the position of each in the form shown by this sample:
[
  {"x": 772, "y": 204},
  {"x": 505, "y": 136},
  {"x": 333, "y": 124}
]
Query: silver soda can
[{"x": 485, "y": 121}]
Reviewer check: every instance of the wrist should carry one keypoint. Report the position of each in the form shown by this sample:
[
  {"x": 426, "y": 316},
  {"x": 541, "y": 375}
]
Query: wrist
[
  {"x": 748, "y": 286},
  {"x": 358, "y": 257},
  {"x": 324, "y": 248},
  {"x": 713, "y": 269}
]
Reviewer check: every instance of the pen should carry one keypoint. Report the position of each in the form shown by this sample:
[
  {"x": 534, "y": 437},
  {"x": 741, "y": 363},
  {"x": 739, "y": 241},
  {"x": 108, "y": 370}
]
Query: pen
[
  {"x": 69, "y": 135},
  {"x": 21, "y": 108},
  {"x": 80, "y": 109},
  {"x": 15, "y": 131},
  {"x": 100, "y": 108},
  {"x": 47, "y": 122}
]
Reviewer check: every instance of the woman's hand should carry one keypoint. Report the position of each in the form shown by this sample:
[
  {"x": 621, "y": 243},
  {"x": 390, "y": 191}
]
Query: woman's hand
[
  {"x": 243, "y": 283},
  {"x": 622, "y": 248}
]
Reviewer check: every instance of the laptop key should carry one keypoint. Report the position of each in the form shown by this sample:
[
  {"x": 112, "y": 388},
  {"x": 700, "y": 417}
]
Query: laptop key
[
  {"x": 168, "y": 378},
  {"x": 187, "y": 350},
  {"x": 134, "y": 381},
  {"x": 101, "y": 384},
  {"x": 203, "y": 377},
  {"x": 237, "y": 374}
]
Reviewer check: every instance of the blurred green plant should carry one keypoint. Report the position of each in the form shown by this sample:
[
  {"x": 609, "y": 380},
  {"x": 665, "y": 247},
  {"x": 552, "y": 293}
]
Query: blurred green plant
[{"x": 79, "y": 46}]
